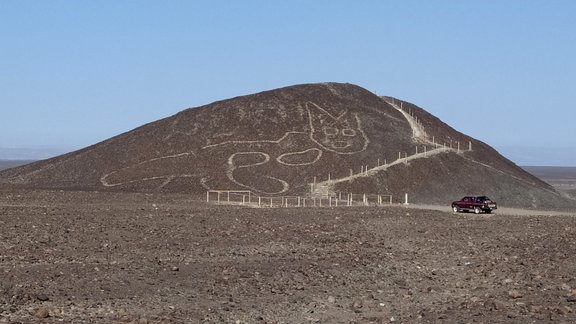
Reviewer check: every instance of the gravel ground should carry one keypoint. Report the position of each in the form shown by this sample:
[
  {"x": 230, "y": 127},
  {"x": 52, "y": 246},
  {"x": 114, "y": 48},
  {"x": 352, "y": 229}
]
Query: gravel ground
[{"x": 147, "y": 258}]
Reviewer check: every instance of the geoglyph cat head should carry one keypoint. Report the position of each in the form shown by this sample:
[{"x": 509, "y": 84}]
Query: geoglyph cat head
[{"x": 341, "y": 134}]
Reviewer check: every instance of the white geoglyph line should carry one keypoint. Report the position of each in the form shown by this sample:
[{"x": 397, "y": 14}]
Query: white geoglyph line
[
  {"x": 107, "y": 184},
  {"x": 255, "y": 142}
]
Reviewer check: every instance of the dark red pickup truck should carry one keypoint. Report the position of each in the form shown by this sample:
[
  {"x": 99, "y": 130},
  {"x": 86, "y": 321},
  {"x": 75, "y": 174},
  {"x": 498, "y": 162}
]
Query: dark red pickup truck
[{"x": 476, "y": 203}]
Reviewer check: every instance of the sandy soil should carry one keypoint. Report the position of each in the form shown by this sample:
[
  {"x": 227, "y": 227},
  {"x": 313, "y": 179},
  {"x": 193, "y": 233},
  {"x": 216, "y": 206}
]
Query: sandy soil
[
  {"x": 501, "y": 211},
  {"x": 144, "y": 258}
]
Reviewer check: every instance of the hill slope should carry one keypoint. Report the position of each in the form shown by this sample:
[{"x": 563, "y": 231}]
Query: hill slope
[{"x": 281, "y": 141}]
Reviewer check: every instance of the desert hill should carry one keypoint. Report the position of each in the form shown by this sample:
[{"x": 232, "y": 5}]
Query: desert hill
[{"x": 321, "y": 137}]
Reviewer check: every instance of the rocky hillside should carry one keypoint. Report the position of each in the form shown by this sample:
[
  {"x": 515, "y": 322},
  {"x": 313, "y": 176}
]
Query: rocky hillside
[{"x": 315, "y": 137}]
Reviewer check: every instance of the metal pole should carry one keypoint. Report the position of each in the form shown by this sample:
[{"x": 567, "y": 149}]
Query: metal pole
[{"x": 207, "y": 196}]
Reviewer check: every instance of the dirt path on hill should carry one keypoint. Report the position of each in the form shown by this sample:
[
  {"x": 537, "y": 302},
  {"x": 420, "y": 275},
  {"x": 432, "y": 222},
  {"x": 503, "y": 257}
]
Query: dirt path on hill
[{"x": 418, "y": 131}]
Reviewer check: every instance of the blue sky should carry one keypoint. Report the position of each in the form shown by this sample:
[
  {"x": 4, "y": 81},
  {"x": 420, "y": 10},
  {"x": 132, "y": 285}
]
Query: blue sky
[{"x": 73, "y": 73}]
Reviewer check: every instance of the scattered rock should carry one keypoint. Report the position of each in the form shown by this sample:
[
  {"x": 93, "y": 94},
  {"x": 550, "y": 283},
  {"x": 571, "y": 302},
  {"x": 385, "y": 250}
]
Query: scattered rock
[
  {"x": 475, "y": 299},
  {"x": 515, "y": 294},
  {"x": 499, "y": 305},
  {"x": 42, "y": 297},
  {"x": 357, "y": 305},
  {"x": 536, "y": 309},
  {"x": 42, "y": 312}
]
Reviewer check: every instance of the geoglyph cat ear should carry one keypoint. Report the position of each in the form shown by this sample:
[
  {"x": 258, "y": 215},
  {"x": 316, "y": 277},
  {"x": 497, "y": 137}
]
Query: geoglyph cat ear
[
  {"x": 315, "y": 110},
  {"x": 318, "y": 115}
]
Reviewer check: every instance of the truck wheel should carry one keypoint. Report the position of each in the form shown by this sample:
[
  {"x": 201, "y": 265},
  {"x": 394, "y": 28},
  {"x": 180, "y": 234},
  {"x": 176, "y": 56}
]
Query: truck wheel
[
  {"x": 455, "y": 209},
  {"x": 488, "y": 211},
  {"x": 477, "y": 210}
]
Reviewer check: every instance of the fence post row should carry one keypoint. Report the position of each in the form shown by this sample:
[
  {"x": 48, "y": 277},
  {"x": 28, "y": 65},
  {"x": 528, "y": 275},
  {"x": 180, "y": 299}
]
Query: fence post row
[{"x": 233, "y": 196}]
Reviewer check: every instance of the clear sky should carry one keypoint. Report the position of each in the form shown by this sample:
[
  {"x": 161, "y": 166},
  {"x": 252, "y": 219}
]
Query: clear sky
[{"x": 73, "y": 73}]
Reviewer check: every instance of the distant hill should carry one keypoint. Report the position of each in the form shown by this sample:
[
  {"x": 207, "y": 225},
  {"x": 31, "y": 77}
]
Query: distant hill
[
  {"x": 7, "y": 164},
  {"x": 562, "y": 178},
  {"x": 290, "y": 141},
  {"x": 30, "y": 153}
]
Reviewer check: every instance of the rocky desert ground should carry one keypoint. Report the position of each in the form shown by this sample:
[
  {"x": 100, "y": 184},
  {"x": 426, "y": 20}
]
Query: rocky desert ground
[{"x": 93, "y": 257}]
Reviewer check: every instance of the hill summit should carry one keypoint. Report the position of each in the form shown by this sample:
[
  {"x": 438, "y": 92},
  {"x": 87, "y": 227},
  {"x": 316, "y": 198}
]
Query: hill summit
[{"x": 311, "y": 138}]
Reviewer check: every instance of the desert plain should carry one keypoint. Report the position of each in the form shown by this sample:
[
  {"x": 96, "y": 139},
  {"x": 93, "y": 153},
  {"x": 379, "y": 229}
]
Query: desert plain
[{"x": 104, "y": 257}]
